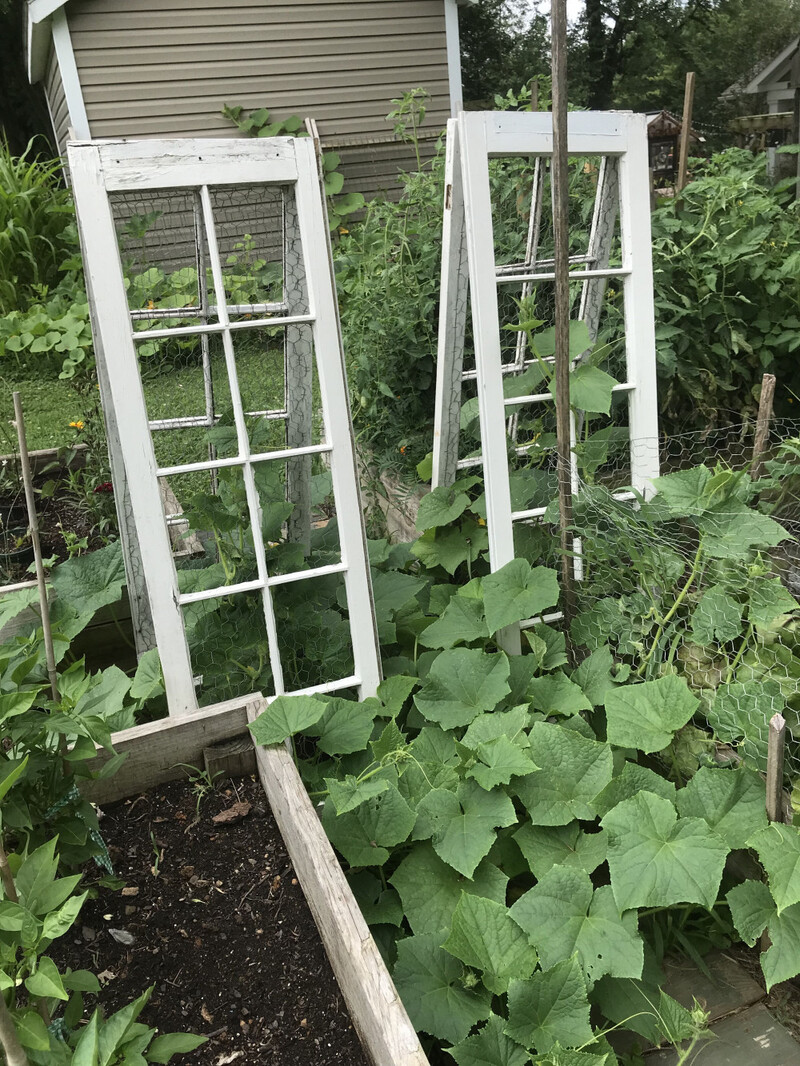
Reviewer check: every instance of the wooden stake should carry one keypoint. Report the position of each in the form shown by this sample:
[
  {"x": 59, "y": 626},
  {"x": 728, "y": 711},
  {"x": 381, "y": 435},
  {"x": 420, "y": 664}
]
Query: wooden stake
[
  {"x": 686, "y": 129},
  {"x": 534, "y": 94},
  {"x": 33, "y": 526},
  {"x": 560, "y": 183},
  {"x": 9, "y": 1041},
  {"x": 794, "y": 84},
  {"x": 762, "y": 423},
  {"x": 775, "y": 754},
  {"x": 7, "y": 878}
]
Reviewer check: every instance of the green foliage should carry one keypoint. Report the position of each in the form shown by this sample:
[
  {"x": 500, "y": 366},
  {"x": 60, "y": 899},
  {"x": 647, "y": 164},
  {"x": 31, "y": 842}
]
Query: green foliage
[
  {"x": 49, "y": 745},
  {"x": 37, "y": 227},
  {"x": 260, "y": 124},
  {"x": 37, "y": 729},
  {"x": 387, "y": 275},
  {"x": 38, "y": 907},
  {"x": 727, "y": 302},
  {"x": 521, "y": 812},
  {"x": 693, "y": 598}
]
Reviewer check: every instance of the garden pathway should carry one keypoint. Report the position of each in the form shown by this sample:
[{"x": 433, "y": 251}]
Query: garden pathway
[{"x": 746, "y": 1033}]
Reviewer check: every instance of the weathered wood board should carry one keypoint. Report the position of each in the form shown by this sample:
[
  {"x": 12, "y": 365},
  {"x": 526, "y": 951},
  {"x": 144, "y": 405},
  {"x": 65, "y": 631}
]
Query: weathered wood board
[
  {"x": 751, "y": 1038},
  {"x": 378, "y": 1014},
  {"x": 155, "y": 750},
  {"x": 730, "y": 987}
]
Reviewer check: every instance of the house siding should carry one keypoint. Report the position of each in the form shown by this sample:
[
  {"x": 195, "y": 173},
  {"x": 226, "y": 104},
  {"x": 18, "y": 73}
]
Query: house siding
[
  {"x": 147, "y": 71},
  {"x": 57, "y": 101}
]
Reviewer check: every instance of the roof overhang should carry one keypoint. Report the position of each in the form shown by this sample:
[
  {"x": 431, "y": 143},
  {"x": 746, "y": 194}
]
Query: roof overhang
[
  {"x": 760, "y": 82},
  {"x": 37, "y": 35}
]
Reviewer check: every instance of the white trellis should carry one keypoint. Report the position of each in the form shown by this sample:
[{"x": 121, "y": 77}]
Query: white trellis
[
  {"x": 469, "y": 266},
  {"x": 308, "y": 314}
]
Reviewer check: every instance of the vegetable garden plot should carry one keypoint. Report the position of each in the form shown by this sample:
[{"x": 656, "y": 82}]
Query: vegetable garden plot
[
  {"x": 179, "y": 285},
  {"x": 503, "y": 253}
]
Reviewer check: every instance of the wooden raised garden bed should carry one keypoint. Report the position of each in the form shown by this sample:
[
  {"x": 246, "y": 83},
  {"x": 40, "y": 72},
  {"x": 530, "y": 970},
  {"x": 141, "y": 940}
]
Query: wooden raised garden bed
[{"x": 154, "y": 752}]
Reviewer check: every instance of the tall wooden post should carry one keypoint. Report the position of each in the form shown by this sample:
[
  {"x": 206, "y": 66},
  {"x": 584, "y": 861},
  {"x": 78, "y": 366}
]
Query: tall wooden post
[
  {"x": 794, "y": 83},
  {"x": 560, "y": 184},
  {"x": 686, "y": 129},
  {"x": 762, "y": 424}
]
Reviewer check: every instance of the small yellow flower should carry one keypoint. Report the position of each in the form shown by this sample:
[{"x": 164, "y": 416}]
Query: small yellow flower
[
  {"x": 76, "y": 425},
  {"x": 150, "y": 305},
  {"x": 481, "y": 521}
]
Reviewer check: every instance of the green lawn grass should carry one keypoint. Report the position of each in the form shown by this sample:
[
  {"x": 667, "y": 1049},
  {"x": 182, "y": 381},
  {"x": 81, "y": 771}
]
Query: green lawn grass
[{"x": 50, "y": 404}]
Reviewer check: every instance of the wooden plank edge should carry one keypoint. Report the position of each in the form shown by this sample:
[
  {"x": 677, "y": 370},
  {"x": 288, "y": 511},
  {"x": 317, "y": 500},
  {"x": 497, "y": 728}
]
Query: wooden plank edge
[
  {"x": 156, "y": 749},
  {"x": 377, "y": 1012}
]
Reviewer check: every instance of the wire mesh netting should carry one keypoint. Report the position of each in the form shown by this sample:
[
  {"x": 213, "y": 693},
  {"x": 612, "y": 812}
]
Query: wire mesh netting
[
  {"x": 603, "y": 361},
  {"x": 705, "y": 590},
  {"x": 231, "y": 391}
]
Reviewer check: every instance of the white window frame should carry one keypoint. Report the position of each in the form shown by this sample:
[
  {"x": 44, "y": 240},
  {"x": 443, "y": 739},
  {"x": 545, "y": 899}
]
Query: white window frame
[
  {"x": 102, "y": 168},
  {"x": 468, "y": 260}
]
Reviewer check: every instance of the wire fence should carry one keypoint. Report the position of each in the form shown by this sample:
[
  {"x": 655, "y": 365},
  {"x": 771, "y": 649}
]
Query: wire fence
[{"x": 697, "y": 595}]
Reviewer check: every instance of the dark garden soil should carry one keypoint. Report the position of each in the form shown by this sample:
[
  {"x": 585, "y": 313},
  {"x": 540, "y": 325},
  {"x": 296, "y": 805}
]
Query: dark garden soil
[
  {"x": 54, "y": 513},
  {"x": 213, "y": 916}
]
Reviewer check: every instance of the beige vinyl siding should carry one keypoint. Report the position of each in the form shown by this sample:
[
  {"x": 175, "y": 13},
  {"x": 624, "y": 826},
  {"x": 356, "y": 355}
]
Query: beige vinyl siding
[
  {"x": 154, "y": 69},
  {"x": 374, "y": 169},
  {"x": 57, "y": 101}
]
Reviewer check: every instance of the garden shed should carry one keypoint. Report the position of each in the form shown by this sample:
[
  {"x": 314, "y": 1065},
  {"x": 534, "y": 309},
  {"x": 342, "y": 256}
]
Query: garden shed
[
  {"x": 136, "y": 68},
  {"x": 775, "y": 80}
]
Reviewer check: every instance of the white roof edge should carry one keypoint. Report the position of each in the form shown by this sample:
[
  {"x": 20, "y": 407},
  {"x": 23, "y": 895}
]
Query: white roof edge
[
  {"x": 756, "y": 85},
  {"x": 39, "y": 10},
  {"x": 37, "y": 38},
  {"x": 37, "y": 35}
]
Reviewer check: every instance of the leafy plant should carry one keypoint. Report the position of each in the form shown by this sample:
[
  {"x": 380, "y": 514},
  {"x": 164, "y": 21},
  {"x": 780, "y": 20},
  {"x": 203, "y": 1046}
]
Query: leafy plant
[
  {"x": 408, "y": 115},
  {"x": 258, "y": 124},
  {"x": 37, "y": 908},
  {"x": 510, "y": 826},
  {"x": 50, "y": 743},
  {"x": 37, "y": 227},
  {"x": 727, "y": 296}
]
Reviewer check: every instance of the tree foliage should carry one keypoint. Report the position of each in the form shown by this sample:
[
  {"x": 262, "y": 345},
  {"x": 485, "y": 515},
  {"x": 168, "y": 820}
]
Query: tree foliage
[
  {"x": 23, "y": 112},
  {"x": 500, "y": 48},
  {"x": 635, "y": 53}
]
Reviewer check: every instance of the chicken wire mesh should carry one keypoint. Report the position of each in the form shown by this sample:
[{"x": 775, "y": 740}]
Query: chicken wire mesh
[
  {"x": 698, "y": 595},
  {"x": 190, "y": 397}
]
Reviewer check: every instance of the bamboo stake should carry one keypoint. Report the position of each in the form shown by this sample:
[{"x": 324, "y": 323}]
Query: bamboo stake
[
  {"x": 560, "y": 185},
  {"x": 762, "y": 423},
  {"x": 775, "y": 755},
  {"x": 33, "y": 525},
  {"x": 686, "y": 129}
]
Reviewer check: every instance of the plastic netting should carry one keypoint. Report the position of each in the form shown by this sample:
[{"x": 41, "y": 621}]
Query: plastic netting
[{"x": 720, "y": 613}]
